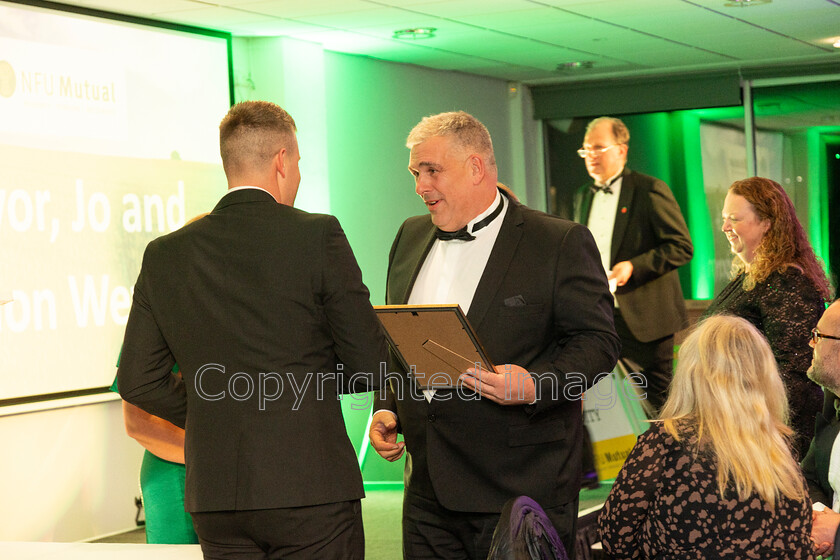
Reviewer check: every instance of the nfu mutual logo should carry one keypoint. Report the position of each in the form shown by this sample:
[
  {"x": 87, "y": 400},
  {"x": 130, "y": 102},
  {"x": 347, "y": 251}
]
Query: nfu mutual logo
[
  {"x": 8, "y": 80},
  {"x": 40, "y": 75},
  {"x": 59, "y": 91},
  {"x": 45, "y": 84}
]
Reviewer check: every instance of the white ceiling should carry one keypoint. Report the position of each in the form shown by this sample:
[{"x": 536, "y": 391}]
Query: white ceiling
[{"x": 525, "y": 40}]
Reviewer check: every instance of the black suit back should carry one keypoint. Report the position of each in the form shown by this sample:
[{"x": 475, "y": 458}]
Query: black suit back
[{"x": 258, "y": 303}]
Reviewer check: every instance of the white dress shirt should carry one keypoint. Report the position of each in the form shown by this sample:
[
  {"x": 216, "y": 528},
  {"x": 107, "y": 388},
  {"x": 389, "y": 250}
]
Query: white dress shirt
[
  {"x": 834, "y": 473},
  {"x": 452, "y": 269},
  {"x": 602, "y": 222}
]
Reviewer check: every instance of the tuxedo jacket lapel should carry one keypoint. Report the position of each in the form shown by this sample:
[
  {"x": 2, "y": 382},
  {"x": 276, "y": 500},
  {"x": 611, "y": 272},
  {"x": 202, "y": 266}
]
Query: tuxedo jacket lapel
[
  {"x": 406, "y": 267},
  {"x": 414, "y": 244},
  {"x": 584, "y": 204},
  {"x": 498, "y": 263}
]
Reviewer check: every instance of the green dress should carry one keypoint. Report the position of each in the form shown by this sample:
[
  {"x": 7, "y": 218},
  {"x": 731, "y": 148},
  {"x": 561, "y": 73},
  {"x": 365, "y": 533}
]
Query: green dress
[{"x": 162, "y": 491}]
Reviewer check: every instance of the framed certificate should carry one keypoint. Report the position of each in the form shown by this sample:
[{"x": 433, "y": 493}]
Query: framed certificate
[{"x": 435, "y": 343}]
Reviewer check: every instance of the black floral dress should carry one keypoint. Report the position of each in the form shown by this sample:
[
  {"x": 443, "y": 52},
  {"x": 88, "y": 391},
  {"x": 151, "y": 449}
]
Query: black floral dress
[
  {"x": 665, "y": 505},
  {"x": 785, "y": 308}
]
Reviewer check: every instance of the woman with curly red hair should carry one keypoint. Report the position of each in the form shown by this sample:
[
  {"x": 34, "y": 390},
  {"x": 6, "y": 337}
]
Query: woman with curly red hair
[{"x": 778, "y": 285}]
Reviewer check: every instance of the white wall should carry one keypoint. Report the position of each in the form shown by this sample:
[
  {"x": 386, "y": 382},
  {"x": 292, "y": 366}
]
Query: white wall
[{"x": 67, "y": 474}]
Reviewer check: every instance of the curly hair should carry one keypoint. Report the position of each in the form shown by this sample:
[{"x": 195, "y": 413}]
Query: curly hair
[{"x": 785, "y": 243}]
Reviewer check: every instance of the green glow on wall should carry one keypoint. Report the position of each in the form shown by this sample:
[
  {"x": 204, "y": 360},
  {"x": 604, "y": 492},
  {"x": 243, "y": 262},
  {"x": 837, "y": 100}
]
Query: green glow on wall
[
  {"x": 719, "y": 114},
  {"x": 818, "y": 229},
  {"x": 816, "y": 197},
  {"x": 702, "y": 265},
  {"x": 291, "y": 74}
]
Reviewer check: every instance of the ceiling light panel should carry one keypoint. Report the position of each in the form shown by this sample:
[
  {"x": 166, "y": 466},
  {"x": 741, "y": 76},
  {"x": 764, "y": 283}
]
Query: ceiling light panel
[
  {"x": 673, "y": 55},
  {"x": 809, "y": 26},
  {"x": 524, "y": 18},
  {"x": 139, "y": 8},
  {"x": 612, "y": 10},
  {"x": 757, "y": 45},
  {"x": 349, "y": 42},
  {"x": 364, "y": 18},
  {"x": 472, "y": 43},
  {"x": 578, "y": 34},
  {"x": 212, "y": 17},
  {"x": 428, "y": 57},
  {"x": 306, "y": 8},
  {"x": 275, "y": 27},
  {"x": 471, "y": 8},
  {"x": 239, "y": 3}
]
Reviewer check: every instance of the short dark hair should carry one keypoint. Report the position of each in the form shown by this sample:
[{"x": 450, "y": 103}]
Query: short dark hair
[{"x": 251, "y": 133}]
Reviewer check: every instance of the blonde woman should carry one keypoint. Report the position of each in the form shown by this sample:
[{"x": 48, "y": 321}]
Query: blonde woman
[{"x": 714, "y": 477}]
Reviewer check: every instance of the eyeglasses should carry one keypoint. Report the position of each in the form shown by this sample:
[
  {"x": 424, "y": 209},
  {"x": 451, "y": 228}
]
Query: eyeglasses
[
  {"x": 816, "y": 335},
  {"x": 583, "y": 152}
]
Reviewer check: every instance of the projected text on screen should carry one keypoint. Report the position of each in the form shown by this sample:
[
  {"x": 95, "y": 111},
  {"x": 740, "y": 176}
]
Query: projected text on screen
[{"x": 108, "y": 139}]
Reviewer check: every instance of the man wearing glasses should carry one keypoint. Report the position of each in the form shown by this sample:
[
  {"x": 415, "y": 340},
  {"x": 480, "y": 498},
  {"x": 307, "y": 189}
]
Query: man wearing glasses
[
  {"x": 643, "y": 239},
  {"x": 821, "y": 465}
]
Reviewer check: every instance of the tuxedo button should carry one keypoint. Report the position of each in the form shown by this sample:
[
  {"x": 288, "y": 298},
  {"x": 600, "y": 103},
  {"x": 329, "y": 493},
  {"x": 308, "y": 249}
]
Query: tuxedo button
[{"x": 431, "y": 417}]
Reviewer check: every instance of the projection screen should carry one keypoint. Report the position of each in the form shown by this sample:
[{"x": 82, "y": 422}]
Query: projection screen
[{"x": 108, "y": 139}]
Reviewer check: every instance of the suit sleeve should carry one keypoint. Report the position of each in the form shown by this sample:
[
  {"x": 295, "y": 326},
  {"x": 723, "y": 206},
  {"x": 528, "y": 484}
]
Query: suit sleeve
[
  {"x": 674, "y": 247},
  {"x": 145, "y": 377},
  {"x": 818, "y": 491},
  {"x": 586, "y": 343},
  {"x": 809, "y": 470},
  {"x": 384, "y": 399},
  {"x": 581, "y": 200},
  {"x": 359, "y": 341}
]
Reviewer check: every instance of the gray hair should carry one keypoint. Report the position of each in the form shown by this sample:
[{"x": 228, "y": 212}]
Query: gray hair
[
  {"x": 466, "y": 130},
  {"x": 619, "y": 129}
]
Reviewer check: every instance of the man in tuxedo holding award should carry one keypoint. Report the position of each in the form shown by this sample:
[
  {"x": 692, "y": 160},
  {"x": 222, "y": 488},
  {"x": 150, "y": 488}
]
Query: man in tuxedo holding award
[{"x": 534, "y": 291}]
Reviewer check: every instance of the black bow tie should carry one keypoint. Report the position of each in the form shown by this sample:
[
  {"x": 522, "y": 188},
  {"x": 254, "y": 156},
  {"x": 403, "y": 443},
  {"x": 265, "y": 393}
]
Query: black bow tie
[
  {"x": 606, "y": 189},
  {"x": 463, "y": 234}
]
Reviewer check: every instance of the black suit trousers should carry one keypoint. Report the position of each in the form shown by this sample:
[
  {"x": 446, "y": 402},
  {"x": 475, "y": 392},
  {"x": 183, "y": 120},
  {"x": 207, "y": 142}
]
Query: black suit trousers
[
  {"x": 655, "y": 360},
  {"x": 328, "y": 532},
  {"x": 432, "y": 532}
]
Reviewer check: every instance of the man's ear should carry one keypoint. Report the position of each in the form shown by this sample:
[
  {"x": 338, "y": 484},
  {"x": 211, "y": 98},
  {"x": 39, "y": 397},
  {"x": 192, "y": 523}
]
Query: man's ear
[
  {"x": 279, "y": 162},
  {"x": 623, "y": 149},
  {"x": 476, "y": 166}
]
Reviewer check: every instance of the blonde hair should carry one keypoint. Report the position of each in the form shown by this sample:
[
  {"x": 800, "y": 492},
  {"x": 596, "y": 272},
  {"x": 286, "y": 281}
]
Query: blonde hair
[
  {"x": 466, "y": 130},
  {"x": 727, "y": 387},
  {"x": 196, "y": 218}
]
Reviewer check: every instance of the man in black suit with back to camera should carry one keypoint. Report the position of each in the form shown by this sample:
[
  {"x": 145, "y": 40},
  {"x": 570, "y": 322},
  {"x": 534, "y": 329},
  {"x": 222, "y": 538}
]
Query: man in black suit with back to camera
[
  {"x": 533, "y": 289},
  {"x": 259, "y": 304},
  {"x": 642, "y": 238}
]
